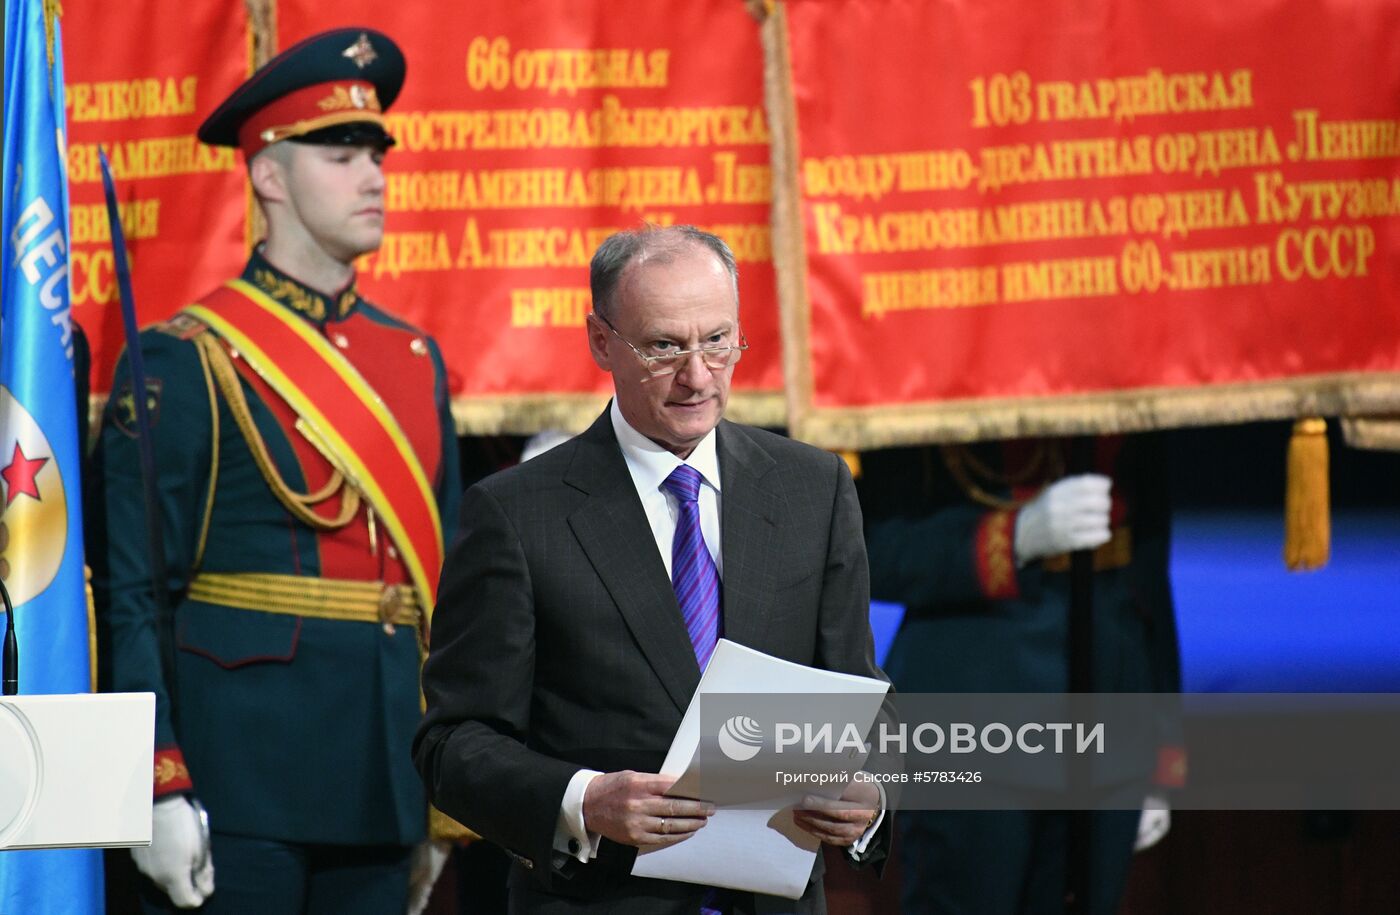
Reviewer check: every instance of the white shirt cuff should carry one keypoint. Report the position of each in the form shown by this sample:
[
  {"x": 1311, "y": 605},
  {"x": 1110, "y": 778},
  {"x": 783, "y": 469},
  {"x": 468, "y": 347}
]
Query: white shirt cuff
[
  {"x": 858, "y": 847},
  {"x": 570, "y": 835}
]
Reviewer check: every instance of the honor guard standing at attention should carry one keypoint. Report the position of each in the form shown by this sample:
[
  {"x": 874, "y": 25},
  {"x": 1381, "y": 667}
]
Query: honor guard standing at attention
[
  {"x": 306, "y": 467},
  {"x": 975, "y": 540}
]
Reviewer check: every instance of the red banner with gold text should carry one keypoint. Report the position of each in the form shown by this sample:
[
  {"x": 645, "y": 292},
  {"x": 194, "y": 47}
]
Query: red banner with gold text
[
  {"x": 1089, "y": 216},
  {"x": 140, "y": 77},
  {"x": 528, "y": 132}
]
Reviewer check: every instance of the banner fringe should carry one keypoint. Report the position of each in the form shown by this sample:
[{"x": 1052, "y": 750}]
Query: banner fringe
[
  {"x": 1375, "y": 433},
  {"x": 1092, "y": 414},
  {"x": 531, "y": 413},
  {"x": 1366, "y": 425}
]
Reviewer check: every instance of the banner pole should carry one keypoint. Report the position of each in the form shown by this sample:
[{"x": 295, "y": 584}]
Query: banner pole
[{"x": 1079, "y": 863}]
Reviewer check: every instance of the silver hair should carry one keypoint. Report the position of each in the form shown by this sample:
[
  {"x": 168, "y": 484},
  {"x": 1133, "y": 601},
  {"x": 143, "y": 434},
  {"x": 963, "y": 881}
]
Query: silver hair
[{"x": 661, "y": 244}]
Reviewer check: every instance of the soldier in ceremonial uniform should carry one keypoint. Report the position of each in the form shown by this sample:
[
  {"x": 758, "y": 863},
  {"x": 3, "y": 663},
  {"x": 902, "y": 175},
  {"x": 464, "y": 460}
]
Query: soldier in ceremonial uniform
[
  {"x": 307, "y": 471},
  {"x": 973, "y": 540}
]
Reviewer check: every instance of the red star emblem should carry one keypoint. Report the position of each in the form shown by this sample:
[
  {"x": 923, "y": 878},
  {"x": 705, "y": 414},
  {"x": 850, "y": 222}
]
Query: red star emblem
[{"x": 19, "y": 476}]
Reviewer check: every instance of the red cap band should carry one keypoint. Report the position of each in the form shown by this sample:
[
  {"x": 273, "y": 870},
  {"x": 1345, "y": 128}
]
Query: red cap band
[{"x": 311, "y": 108}]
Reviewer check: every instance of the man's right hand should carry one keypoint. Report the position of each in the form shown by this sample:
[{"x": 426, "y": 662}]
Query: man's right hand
[
  {"x": 177, "y": 859},
  {"x": 632, "y": 808},
  {"x": 1068, "y": 515}
]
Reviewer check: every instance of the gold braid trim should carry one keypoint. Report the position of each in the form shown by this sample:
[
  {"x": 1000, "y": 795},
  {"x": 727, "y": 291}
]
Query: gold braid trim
[
  {"x": 1045, "y": 464},
  {"x": 996, "y": 546},
  {"x": 319, "y": 598},
  {"x": 890, "y": 425},
  {"x": 294, "y": 295},
  {"x": 53, "y": 10},
  {"x": 213, "y": 453},
  {"x": 167, "y": 770},
  {"x": 298, "y": 504}
]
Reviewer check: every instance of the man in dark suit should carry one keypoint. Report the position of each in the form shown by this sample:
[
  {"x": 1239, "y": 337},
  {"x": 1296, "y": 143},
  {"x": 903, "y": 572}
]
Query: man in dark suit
[{"x": 589, "y": 585}]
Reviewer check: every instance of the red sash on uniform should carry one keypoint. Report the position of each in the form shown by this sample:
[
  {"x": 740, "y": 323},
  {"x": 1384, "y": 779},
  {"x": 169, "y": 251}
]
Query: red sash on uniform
[{"x": 347, "y": 421}]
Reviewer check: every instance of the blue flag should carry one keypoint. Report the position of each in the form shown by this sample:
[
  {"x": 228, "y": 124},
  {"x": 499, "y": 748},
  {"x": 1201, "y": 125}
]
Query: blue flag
[{"x": 41, "y": 520}]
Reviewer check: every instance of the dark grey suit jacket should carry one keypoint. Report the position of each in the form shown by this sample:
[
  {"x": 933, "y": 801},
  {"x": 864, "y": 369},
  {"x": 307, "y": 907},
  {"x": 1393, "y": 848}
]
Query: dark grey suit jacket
[{"x": 557, "y": 642}]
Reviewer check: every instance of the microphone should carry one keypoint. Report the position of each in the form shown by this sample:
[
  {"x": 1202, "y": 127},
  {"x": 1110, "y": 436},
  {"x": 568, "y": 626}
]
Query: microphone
[{"x": 10, "y": 686}]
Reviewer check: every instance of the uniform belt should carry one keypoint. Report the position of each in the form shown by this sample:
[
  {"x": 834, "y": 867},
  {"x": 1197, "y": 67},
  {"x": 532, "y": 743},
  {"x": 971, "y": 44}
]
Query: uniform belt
[
  {"x": 320, "y": 598},
  {"x": 1114, "y": 554}
]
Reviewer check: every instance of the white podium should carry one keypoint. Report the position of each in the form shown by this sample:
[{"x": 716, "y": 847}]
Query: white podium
[{"x": 75, "y": 770}]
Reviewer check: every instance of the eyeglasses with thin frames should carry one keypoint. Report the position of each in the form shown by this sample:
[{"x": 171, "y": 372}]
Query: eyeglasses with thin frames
[{"x": 714, "y": 357}]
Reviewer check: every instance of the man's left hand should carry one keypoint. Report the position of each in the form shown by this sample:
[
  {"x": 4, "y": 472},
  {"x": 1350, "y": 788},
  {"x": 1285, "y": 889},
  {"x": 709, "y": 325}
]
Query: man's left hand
[{"x": 840, "y": 822}]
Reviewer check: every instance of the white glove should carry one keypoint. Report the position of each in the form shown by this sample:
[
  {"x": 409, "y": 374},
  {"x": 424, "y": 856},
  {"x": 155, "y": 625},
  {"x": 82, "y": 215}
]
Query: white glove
[
  {"x": 423, "y": 870},
  {"x": 177, "y": 859},
  {"x": 1156, "y": 819},
  {"x": 1070, "y": 514}
]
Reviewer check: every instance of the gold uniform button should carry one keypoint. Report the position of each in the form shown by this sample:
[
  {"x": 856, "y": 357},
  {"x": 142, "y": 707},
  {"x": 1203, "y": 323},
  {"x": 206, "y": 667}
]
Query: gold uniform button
[
  {"x": 418, "y": 347},
  {"x": 340, "y": 341}
]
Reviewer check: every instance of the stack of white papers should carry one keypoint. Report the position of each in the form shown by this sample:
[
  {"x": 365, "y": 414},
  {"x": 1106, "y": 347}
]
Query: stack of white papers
[{"x": 753, "y": 847}]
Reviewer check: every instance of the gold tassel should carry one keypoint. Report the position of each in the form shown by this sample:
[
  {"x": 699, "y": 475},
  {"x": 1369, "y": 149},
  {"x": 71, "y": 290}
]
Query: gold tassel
[{"x": 1307, "y": 522}]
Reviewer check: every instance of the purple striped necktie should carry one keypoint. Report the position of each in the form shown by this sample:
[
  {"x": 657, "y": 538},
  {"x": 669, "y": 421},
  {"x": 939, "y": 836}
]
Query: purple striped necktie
[{"x": 693, "y": 573}]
